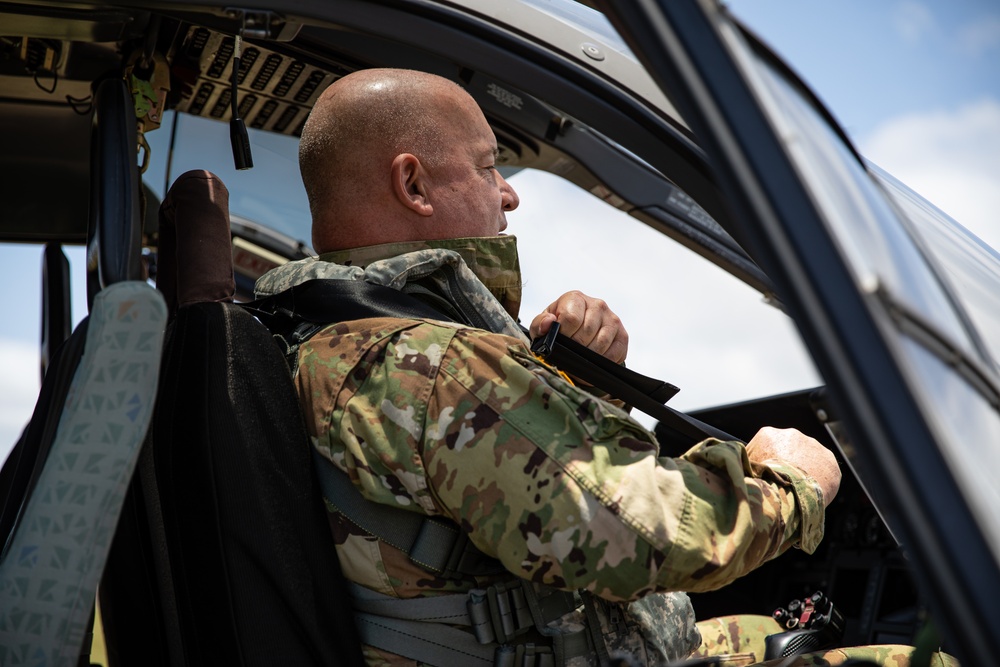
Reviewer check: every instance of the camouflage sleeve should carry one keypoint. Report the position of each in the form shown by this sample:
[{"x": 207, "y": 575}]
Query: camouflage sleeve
[
  {"x": 568, "y": 490},
  {"x": 565, "y": 489}
]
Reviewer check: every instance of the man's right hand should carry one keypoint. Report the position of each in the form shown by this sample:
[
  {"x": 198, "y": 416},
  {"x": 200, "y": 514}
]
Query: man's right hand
[
  {"x": 586, "y": 320},
  {"x": 790, "y": 446}
]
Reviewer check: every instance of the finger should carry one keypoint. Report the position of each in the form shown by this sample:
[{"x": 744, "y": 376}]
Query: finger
[
  {"x": 571, "y": 310},
  {"x": 541, "y": 324},
  {"x": 587, "y": 321},
  {"x": 596, "y": 317},
  {"x": 605, "y": 330},
  {"x": 617, "y": 350},
  {"x": 582, "y": 318}
]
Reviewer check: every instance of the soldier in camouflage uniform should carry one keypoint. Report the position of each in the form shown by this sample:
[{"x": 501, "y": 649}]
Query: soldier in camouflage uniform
[{"x": 462, "y": 422}]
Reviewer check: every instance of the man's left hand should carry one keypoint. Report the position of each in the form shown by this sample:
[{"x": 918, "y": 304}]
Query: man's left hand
[{"x": 586, "y": 320}]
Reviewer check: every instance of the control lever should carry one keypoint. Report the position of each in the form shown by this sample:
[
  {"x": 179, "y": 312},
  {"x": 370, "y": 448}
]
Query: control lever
[{"x": 813, "y": 624}]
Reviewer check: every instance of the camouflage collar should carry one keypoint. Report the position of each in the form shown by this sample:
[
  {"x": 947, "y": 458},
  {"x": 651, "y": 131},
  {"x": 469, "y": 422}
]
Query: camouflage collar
[{"x": 486, "y": 269}]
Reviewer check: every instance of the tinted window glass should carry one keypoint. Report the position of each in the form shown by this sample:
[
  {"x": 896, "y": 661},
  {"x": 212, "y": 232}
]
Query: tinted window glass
[
  {"x": 879, "y": 249},
  {"x": 971, "y": 267},
  {"x": 875, "y": 245},
  {"x": 585, "y": 19},
  {"x": 271, "y": 193},
  {"x": 969, "y": 427}
]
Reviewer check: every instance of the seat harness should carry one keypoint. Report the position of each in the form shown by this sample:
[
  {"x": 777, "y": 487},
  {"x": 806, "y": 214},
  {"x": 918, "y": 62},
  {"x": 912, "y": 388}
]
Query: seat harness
[
  {"x": 506, "y": 624},
  {"x": 296, "y": 314}
]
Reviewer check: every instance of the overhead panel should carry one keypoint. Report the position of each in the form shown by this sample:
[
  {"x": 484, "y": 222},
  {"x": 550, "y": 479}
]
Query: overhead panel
[{"x": 275, "y": 91}]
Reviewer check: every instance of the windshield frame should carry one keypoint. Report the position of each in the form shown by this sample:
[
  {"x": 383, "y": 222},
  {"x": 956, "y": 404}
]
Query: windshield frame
[{"x": 699, "y": 53}]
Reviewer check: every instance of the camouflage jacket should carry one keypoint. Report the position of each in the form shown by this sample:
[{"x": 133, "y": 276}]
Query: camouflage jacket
[{"x": 563, "y": 488}]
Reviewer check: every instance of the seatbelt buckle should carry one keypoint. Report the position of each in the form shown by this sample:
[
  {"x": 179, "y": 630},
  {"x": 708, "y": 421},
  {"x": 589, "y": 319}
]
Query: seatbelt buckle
[
  {"x": 524, "y": 655},
  {"x": 499, "y": 613},
  {"x": 542, "y": 346}
]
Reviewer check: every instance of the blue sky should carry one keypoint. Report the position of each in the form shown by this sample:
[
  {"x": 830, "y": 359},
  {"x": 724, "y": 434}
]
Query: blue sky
[
  {"x": 875, "y": 61},
  {"x": 915, "y": 84}
]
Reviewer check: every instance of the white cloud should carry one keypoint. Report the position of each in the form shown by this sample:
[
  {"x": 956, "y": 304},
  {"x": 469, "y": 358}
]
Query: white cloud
[
  {"x": 689, "y": 322},
  {"x": 913, "y": 21},
  {"x": 19, "y": 384},
  {"x": 950, "y": 157},
  {"x": 980, "y": 37}
]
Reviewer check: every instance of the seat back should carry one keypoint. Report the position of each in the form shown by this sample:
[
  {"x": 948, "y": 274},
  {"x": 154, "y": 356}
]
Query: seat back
[
  {"x": 59, "y": 539},
  {"x": 226, "y": 515}
]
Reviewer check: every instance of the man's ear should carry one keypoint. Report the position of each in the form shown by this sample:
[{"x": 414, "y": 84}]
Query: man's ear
[{"x": 409, "y": 184}]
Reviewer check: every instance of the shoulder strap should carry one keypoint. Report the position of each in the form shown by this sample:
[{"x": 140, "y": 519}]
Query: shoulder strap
[
  {"x": 296, "y": 314},
  {"x": 323, "y": 301},
  {"x": 439, "y": 546},
  {"x": 640, "y": 391}
]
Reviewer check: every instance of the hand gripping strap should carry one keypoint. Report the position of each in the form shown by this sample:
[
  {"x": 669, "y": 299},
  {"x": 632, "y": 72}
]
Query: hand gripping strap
[
  {"x": 640, "y": 391},
  {"x": 324, "y": 301}
]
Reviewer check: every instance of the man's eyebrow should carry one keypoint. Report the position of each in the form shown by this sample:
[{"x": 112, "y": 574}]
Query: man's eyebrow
[{"x": 493, "y": 154}]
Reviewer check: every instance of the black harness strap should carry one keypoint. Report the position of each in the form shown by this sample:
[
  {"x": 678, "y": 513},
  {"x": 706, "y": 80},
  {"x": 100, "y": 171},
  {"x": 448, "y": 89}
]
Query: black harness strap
[
  {"x": 640, "y": 391},
  {"x": 501, "y": 619},
  {"x": 503, "y": 613},
  {"x": 439, "y": 546},
  {"x": 322, "y": 301}
]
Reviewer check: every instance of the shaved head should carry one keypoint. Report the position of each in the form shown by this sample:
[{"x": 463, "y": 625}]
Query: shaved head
[{"x": 355, "y": 134}]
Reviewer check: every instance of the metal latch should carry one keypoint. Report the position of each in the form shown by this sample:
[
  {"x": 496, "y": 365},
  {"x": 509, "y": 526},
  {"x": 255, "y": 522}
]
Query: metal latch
[
  {"x": 263, "y": 24},
  {"x": 149, "y": 83}
]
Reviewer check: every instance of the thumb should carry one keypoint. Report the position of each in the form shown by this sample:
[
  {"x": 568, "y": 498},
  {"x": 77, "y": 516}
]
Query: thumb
[{"x": 541, "y": 324}]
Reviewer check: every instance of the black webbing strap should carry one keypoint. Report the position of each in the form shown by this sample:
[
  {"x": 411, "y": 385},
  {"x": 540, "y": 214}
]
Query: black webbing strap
[
  {"x": 439, "y": 644},
  {"x": 432, "y": 644},
  {"x": 324, "y": 301},
  {"x": 420, "y": 628},
  {"x": 640, "y": 391},
  {"x": 585, "y": 364},
  {"x": 437, "y": 545}
]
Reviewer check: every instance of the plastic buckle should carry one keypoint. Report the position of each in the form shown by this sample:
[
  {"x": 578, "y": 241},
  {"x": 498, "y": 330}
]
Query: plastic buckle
[
  {"x": 524, "y": 655},
  {"x": 533, "y": 655},
  {"x": 499, "y": 613},
  {"x": 508, "y": 610}
]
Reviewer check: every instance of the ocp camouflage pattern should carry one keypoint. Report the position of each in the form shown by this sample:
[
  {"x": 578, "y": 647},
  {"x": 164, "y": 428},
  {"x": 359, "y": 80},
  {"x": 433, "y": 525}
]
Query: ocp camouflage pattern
[
  {"x": 563, "y": 488},
  {"x": 486, "y": 271},
  {"x": 739, "y": 640},
  {"x": 887, "y": 655}
]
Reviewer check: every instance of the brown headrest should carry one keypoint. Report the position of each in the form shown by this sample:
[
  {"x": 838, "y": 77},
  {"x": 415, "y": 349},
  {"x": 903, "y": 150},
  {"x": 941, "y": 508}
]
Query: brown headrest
[{"x": 195, "y": 257}]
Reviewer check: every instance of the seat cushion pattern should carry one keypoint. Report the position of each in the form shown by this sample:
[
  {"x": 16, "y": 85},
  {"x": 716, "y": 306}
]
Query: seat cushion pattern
[{"x": 49, "y": 578}]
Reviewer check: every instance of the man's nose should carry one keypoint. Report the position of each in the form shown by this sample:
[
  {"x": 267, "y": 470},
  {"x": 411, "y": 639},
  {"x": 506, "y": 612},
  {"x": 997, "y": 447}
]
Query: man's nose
[{"x": 508, "y": 198}]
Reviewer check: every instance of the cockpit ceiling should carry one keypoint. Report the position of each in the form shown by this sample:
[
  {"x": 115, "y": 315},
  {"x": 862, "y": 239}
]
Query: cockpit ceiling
[{"x": 276, "y": 91}]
